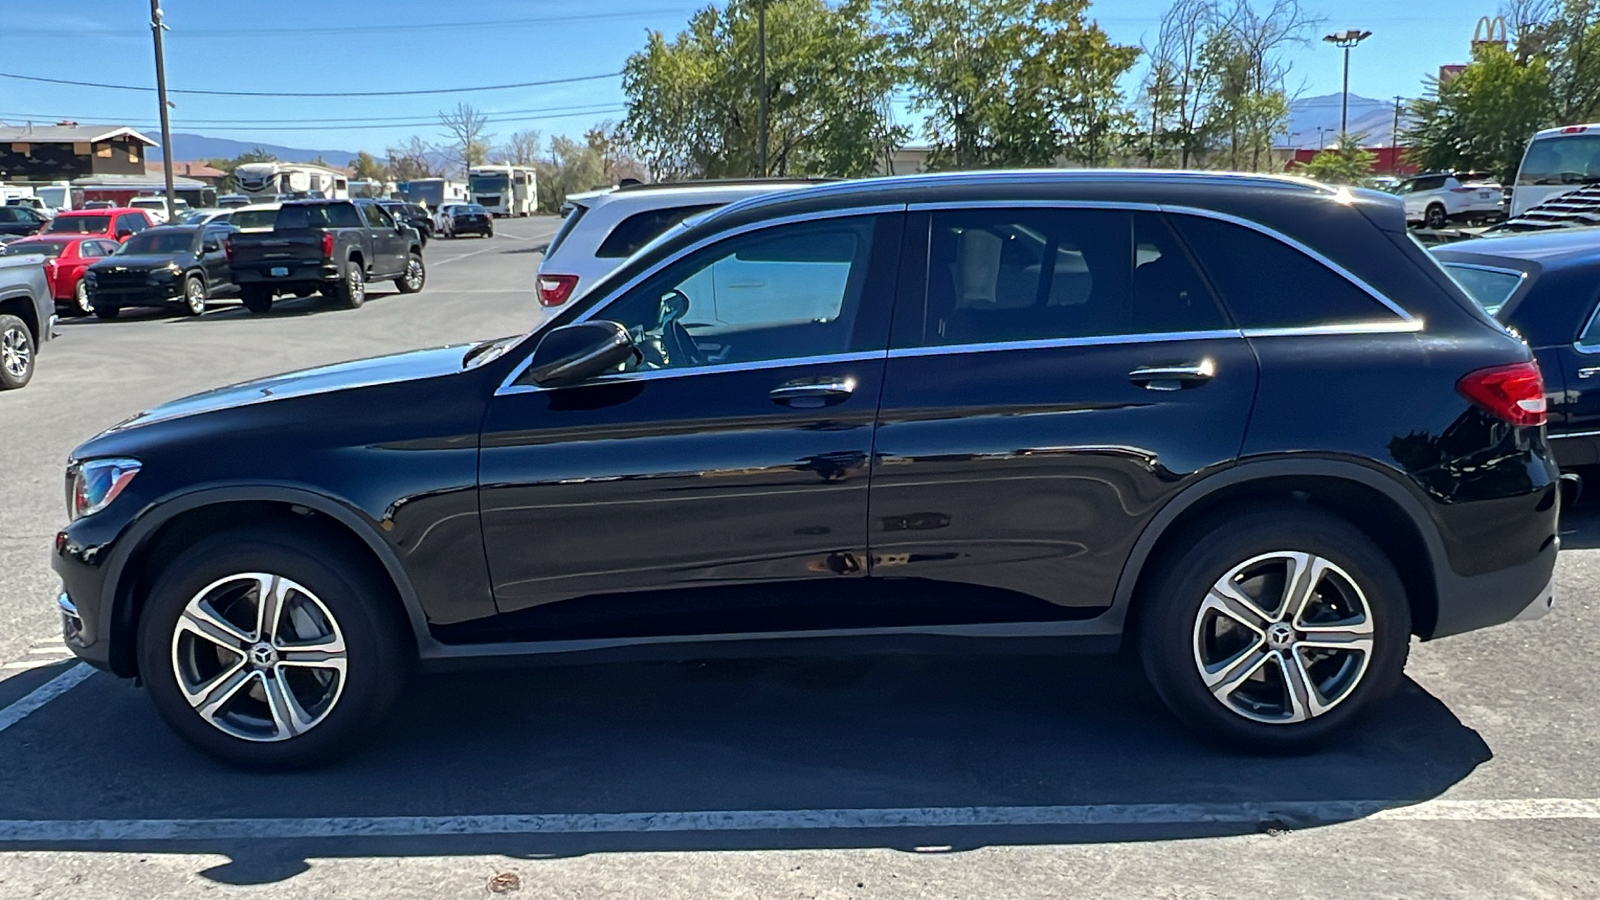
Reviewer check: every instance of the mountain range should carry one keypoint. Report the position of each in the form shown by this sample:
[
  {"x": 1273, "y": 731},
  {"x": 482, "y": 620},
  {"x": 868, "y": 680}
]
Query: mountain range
[{"x": 1313, "y": 122}]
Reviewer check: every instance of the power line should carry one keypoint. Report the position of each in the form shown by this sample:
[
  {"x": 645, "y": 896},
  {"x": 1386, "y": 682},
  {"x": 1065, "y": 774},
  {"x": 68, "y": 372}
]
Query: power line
[
  {"x": 426, "y": 26},
  {"x": 60, "y": 117},
  {"x": 460, "y": 90},
  {"x": 430, "y": 123}
]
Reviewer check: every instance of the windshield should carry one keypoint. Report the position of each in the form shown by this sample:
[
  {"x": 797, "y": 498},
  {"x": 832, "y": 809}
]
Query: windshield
[
  {"x": 1490, "y": 287},
  {"x": 51, "y": 249},
  {"x": 253, "y": 218},
  {"x": 158, "y": 243},
  {"x": 480, "y": 183},
  {"x": 79, "y": 225},
  {"x": 1566, "y": 159}
]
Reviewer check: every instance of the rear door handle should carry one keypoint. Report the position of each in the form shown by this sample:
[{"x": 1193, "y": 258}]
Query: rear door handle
[
  {"x": 1173, "y": 377},
  {"x": 1588, "y": 373},
  {"x": 813, "y": 393}
]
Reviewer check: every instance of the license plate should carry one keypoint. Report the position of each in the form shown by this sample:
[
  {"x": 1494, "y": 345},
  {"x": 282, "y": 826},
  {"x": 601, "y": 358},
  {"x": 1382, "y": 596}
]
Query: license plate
[
  {"x": 279, "y": 271},
  {"x": 1484, "y": 194}
]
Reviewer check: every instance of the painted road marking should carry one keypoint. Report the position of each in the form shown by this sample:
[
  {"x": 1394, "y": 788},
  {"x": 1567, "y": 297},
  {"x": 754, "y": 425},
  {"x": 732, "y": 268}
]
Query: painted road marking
[
  {"x": 1290, "y": 815},
  {"x": 43, "y": 694}
]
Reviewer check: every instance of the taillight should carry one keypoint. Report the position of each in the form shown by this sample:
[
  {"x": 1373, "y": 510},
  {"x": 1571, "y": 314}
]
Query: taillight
[
  {"x": 227, "y": 248},
  {"x": 1514, "y": 393},
  {"x": 555, "y": 289},
  {"x": 327, "y": 245}
]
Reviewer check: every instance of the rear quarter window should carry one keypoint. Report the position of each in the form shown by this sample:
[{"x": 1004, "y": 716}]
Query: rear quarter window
[
  {"x": 1491, "y": 288},
  {"x": 641, "y": 228},
  {"x": 1267, "y": 283},
  {"x": 567, "y": 224}
]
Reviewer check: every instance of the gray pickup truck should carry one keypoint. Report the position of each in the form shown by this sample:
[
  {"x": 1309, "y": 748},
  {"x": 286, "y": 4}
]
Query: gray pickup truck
[
  {"x": 27, "y": 317},
  {"x": 333, "y": 246}
]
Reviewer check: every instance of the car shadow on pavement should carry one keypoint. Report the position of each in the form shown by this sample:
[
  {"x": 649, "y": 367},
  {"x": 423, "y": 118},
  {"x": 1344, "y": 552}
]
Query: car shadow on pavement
[
  {"x": 1580, "y": 527},
  {"x": 888, "y": 732},
  {"x": 282, "y": 308}
]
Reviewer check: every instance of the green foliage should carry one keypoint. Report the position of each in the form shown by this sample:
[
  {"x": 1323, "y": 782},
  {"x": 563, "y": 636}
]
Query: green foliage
[
  {"x": 366, "y": 167},
  {"x": 1346, "y": 163},
  {"x": 1482, "y": 118},
  {"x": 693, "y": 101},
  {"x": 1011, "y": 82},
  {"x": 1569, "y": 44}
]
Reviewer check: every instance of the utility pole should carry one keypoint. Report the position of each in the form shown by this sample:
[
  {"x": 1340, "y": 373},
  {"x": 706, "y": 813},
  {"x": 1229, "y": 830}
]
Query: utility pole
[
  {"x": 761, "y": 51},
  {"x": 1346, "y": 40},
  {"x": 1394, "y": 138},
  {"x": 156, "y": 27}
]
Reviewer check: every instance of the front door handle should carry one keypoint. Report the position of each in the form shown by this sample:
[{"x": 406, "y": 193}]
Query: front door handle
[
  {"x": 1588, "y": 373},
  {"x": 813, "y": 393},
  {"x": 1173, "y": 377}
]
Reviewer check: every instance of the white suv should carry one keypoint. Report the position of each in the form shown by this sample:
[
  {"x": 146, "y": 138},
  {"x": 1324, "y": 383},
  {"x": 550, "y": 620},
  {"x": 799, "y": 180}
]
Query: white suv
[
  {"x": 603, "y": 228},
  {"x": 1438, "y": 199}
]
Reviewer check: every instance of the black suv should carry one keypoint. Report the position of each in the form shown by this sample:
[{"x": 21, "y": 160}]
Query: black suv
[{"x": 1243, "y": 422}]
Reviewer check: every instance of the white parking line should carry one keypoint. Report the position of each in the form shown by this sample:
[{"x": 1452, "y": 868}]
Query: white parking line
[
  {"x": 1291, "y": 814},
  {"x": 43, "y": 694}
]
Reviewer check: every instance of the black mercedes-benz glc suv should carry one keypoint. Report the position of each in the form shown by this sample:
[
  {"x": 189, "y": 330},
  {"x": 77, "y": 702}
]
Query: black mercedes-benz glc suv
[{"x": 1244, "y": 423}]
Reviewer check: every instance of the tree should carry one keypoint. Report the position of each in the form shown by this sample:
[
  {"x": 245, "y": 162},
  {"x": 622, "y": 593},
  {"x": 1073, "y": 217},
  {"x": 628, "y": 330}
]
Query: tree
[
  {"x": 1482, "y": 118},
  {"x": 693, "y": 101},
  {"x": 521, "y": 148},
  {"x": 366, "y": 167},
  {"x": 1570, "y": 45},
  {"x": 413, "y": 160},
  {"x": 1348, "y": 163},
  {"x": 1010, "y": 82},
  {"x": 468, "y": 129}
]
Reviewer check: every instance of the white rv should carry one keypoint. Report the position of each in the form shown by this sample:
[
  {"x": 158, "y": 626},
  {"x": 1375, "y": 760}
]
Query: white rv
[
  {"x": 504, "y": 190},
  {"x": 273, "y": 180}
]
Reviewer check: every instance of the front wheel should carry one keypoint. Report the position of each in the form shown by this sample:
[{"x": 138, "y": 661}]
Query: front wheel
[
  {"x": 194, "y": 296},
  {"x": 263, "y": 649},
  {"x": 1275, "y": 630},
  {"x": 413, "y": 278}
]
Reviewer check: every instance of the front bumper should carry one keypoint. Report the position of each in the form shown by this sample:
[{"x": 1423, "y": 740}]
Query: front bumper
[{"x": 145, "y": 295}]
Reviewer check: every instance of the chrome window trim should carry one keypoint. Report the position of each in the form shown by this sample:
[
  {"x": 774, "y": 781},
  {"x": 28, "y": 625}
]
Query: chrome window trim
[
  {"x": 1574, "y": 434},
  {"x": 1283, "y": 238},
  {"x": 1002, "y": 205},
  {"x": 722, "y": 368},
  {"x": 1056, "y": 343},
  {"x": 1410, "y": 326},
  {"x": 601, "y": 306},
  {"x": 1578, "y": 345}
]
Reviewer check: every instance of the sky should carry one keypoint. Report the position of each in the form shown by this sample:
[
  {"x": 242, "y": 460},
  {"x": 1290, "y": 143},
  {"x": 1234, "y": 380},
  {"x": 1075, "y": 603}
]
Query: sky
[{"x": 279, "y": 46}]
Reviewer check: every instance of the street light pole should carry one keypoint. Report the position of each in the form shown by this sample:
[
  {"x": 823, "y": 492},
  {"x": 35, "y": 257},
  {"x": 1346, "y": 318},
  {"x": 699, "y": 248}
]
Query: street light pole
[
  {"x": 1346, "y": 40},
  {"x": 761, "y": 50},
  {"x": 156, "y": 27}
]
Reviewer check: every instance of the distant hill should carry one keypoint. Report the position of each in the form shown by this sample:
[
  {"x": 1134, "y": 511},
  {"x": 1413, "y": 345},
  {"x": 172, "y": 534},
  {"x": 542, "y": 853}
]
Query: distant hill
[
  {"x": 1369, "y": 117},
  {"x": 198, "y": 146}
]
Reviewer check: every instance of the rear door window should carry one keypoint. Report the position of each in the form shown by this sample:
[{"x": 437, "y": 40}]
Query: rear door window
[
  {"x": 1267, "y": 283},
  {"x": 641, "y": 228}
]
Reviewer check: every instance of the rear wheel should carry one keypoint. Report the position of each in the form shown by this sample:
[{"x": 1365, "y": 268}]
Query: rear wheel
[
  {"x": 16, "y": 353},
  {"x": 80, "y": 299},
  {"x": 414, "y": 277},
  {"x": 1434, "y": 216},
  {"x": 352, "y": 290},
  {"x": 262, "y": 648},
  {"x": 257, "y": 298},
  {"x": 1276, "y": 630}
]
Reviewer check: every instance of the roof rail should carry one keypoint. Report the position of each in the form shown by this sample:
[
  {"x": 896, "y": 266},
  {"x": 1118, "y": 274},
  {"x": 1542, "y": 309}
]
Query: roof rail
[{"x": 722, "y": 182}]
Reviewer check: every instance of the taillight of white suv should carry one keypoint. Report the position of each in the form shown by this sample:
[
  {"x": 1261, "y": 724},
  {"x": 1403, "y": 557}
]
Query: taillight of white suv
[{"x": 555, "y": 290}]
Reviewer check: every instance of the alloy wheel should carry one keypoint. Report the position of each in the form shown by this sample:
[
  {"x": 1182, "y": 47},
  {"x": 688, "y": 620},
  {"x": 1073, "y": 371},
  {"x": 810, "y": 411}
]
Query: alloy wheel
[
  {"x": 414, "y": 274},
  {"x": 194, "y": 297},
  {"x": 259, "y": 657},
  {"x": 80, "y": 297},
  {"x": 1283, "y": 637},
  {"x": 357, "y": 285},
  {"x": 16, "y": 351}
]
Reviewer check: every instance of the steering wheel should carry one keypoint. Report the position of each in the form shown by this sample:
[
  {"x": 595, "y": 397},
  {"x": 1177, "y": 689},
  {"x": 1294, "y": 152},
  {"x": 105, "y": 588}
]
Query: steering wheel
[{"x": 670, "y": 342}]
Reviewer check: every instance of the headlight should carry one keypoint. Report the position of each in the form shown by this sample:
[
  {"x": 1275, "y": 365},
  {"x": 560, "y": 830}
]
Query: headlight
[
  {"x": 93, "y": 484},
  {"x": 174, "y": 268}
]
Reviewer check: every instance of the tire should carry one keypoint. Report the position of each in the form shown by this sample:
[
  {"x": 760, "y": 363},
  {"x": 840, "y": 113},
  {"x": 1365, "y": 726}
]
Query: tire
[
  {"x": 194, "y": 296},
  {"x": 339, "y": 690},
  {"x": 1231, "y": 682},
  {"x": 17, "y": 353},
  {"x": 81, "y": 305},
  {"x": 351, "y": 291},
  {"x": 1434, "y": 216},
  {"x": 257, "y": 298},
  {"x": 414, "y": 277},
  {"x": 106, "y": 312}
]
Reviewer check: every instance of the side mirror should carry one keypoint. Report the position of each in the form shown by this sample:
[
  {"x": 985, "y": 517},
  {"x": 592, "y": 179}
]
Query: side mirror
[
  {"x": 573, "y": 353},
  {"x": 210, "y": 247}
]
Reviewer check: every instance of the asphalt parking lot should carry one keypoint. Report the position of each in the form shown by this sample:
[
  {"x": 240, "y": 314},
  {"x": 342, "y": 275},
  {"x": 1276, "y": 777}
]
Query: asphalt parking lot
[{"x": 901, "y": 776}]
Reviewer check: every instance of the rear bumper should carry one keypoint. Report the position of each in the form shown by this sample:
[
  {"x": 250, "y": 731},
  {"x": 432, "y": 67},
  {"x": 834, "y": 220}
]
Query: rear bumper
[
  {"x": 1518, "y": 593},
  {"x": 293, "y": 272}
]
